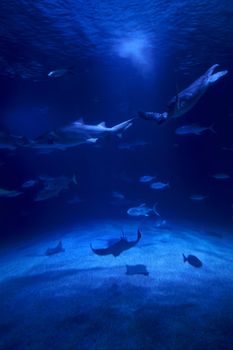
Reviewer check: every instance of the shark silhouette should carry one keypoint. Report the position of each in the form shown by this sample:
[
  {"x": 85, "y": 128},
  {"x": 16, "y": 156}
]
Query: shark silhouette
[{"x": 117, "y": 248}]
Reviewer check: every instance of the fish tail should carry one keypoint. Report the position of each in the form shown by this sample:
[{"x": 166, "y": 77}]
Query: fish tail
[
  {"x": 217, "y": 76},
  {"x": 74, "y": 179},
  {"x": 185, "y": 259},
  {"x": 155, "y": 210},
  {"x": 211, "y": 128}
]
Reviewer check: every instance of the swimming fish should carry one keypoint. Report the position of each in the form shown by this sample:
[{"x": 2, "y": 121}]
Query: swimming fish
[
  {"x": 58, "y": 73},
  {"x": 29, "y": 183},
  {"x": 146, "y": 178},
  {"x": 192, "y": 260},
  {"x": 159, "y": 185},
  {"x": 142, "y": 210},
  {"x": 58, "y": 249},
  {"x": 75, "y": 134},
  {"x": 193, "y": 129},
  {"x": 198, "y": 197},
  {"x": 118, "y": 195},
  {"x": 53, "y": 186},
  {"x": 221, "y": 176},
  {"x": 117, "y": 248},
  {"x": 9, "y": 193}
]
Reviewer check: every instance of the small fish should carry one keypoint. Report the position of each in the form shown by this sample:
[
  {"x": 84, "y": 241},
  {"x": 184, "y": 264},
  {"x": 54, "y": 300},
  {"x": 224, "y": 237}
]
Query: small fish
[
  {"x": 58, "y": 73},
  {"x": 193, "y": 129},
  {"x": 159, "y": 185},
  {"x": 9, "y": 193},
  {"x": 29, "y": 183},
  {"x": 142, "y": 210},
  {"x": 58, "y": 249},
  {"x": 192, "y": 260},
  {"x": 221, "y": 176},
  {"x": 53, "y": 186},
  {"x": 146, "y": 178},
  {"x": 118, "y": 195},
  {"x": 198, "y": 197}
]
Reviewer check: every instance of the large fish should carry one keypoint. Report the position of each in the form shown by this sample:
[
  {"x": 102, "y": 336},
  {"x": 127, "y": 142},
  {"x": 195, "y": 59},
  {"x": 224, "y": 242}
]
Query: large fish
[
  {"x": 183, "y": 101},
  {"x": 75, "y": 134},
  {"x": 117, "y": 248}
]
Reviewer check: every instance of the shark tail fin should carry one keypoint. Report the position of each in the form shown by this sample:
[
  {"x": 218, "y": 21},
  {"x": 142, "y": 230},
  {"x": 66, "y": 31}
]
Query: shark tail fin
[
  {"x": 217, "y": 76},
  {"x": 155, "y": 209},
  {"x": 185, "y": 259}
]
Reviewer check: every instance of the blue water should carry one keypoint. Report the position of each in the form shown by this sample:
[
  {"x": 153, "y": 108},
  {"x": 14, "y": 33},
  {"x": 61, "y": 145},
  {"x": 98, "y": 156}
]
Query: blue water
[{"x": 121, "y": 57}]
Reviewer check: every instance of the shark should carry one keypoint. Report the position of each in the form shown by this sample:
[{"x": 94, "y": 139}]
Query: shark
[
  {"x": 75, "y": 134},
  {"x": 118, "y": 247}
]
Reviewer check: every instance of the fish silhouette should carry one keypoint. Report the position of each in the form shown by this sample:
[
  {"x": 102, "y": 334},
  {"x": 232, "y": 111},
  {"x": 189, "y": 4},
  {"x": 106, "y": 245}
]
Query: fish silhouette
[
  {"x": 117, "y": 248},
  {"x": 192, "y": 260}
]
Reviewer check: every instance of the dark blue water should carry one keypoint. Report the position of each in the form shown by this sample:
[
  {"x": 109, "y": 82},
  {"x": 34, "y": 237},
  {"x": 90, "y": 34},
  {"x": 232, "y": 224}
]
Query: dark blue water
[{"x": 122, "y": 57}]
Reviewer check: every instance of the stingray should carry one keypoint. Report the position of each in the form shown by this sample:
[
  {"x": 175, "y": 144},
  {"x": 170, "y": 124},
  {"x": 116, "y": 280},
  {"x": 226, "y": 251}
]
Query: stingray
[{"x": 118, "y": 247}]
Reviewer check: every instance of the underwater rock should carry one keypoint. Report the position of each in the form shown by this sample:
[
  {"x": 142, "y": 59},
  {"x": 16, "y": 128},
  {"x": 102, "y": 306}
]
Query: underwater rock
[{"x": 138, "y": 269}]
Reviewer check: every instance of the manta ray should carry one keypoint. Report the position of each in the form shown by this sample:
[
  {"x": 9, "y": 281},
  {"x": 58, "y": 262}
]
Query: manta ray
[{"x": 117, "y": 248}]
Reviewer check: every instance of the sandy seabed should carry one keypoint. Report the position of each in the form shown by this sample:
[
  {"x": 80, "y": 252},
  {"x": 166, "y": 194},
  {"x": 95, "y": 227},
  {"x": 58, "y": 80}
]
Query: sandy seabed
[{"x": 76, "y": 300}]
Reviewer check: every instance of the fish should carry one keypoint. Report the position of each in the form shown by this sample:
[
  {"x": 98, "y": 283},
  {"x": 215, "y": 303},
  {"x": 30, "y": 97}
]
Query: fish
[
  {"x": 192, "y": 260},
  {"x": 142, "y": 210},
  {"x": 75, "y": 134},
  {"x": 118, "y": 195},
  {"x": 159, "y": 185},
  {"x": 29, "y": 183},
  {"x": 138, "y": 269},
  {"x": 146, "y": 178},
  {"x": 194, "y": 129},
  {"x": 58, "y": 73},
  {"x": 198, "y": 197},
  {"x": 53, "y": 187},
  {"x": 185, "y": 100},
  {"x": 58, "y": 249},
  {"x": 118, "y": 247},
  {"x": 9, "y": 193},
  {"x": 100, "y": 130},
  {"x": 221, "y": 176}
]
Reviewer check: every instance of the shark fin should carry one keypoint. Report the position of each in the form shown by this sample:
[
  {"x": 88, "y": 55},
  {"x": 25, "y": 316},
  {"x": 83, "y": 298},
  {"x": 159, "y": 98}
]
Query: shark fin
[
  {"x": 80, "y": 121},
  {"x": 102, "y": 124}
]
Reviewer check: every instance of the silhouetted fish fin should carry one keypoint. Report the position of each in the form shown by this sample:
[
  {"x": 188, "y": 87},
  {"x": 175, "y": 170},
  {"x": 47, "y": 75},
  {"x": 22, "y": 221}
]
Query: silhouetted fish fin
[
  {"x": 102, "y": 124},
  {"x": 185, "y": 259},
  {"x": 155, "y": 210},
  {"x": 211, "y": 128},
  {"x": 217, "y": 76}
]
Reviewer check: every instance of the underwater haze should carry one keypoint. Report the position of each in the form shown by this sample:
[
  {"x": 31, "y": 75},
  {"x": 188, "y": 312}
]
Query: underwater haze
[{"x": 116, "y": 175}]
